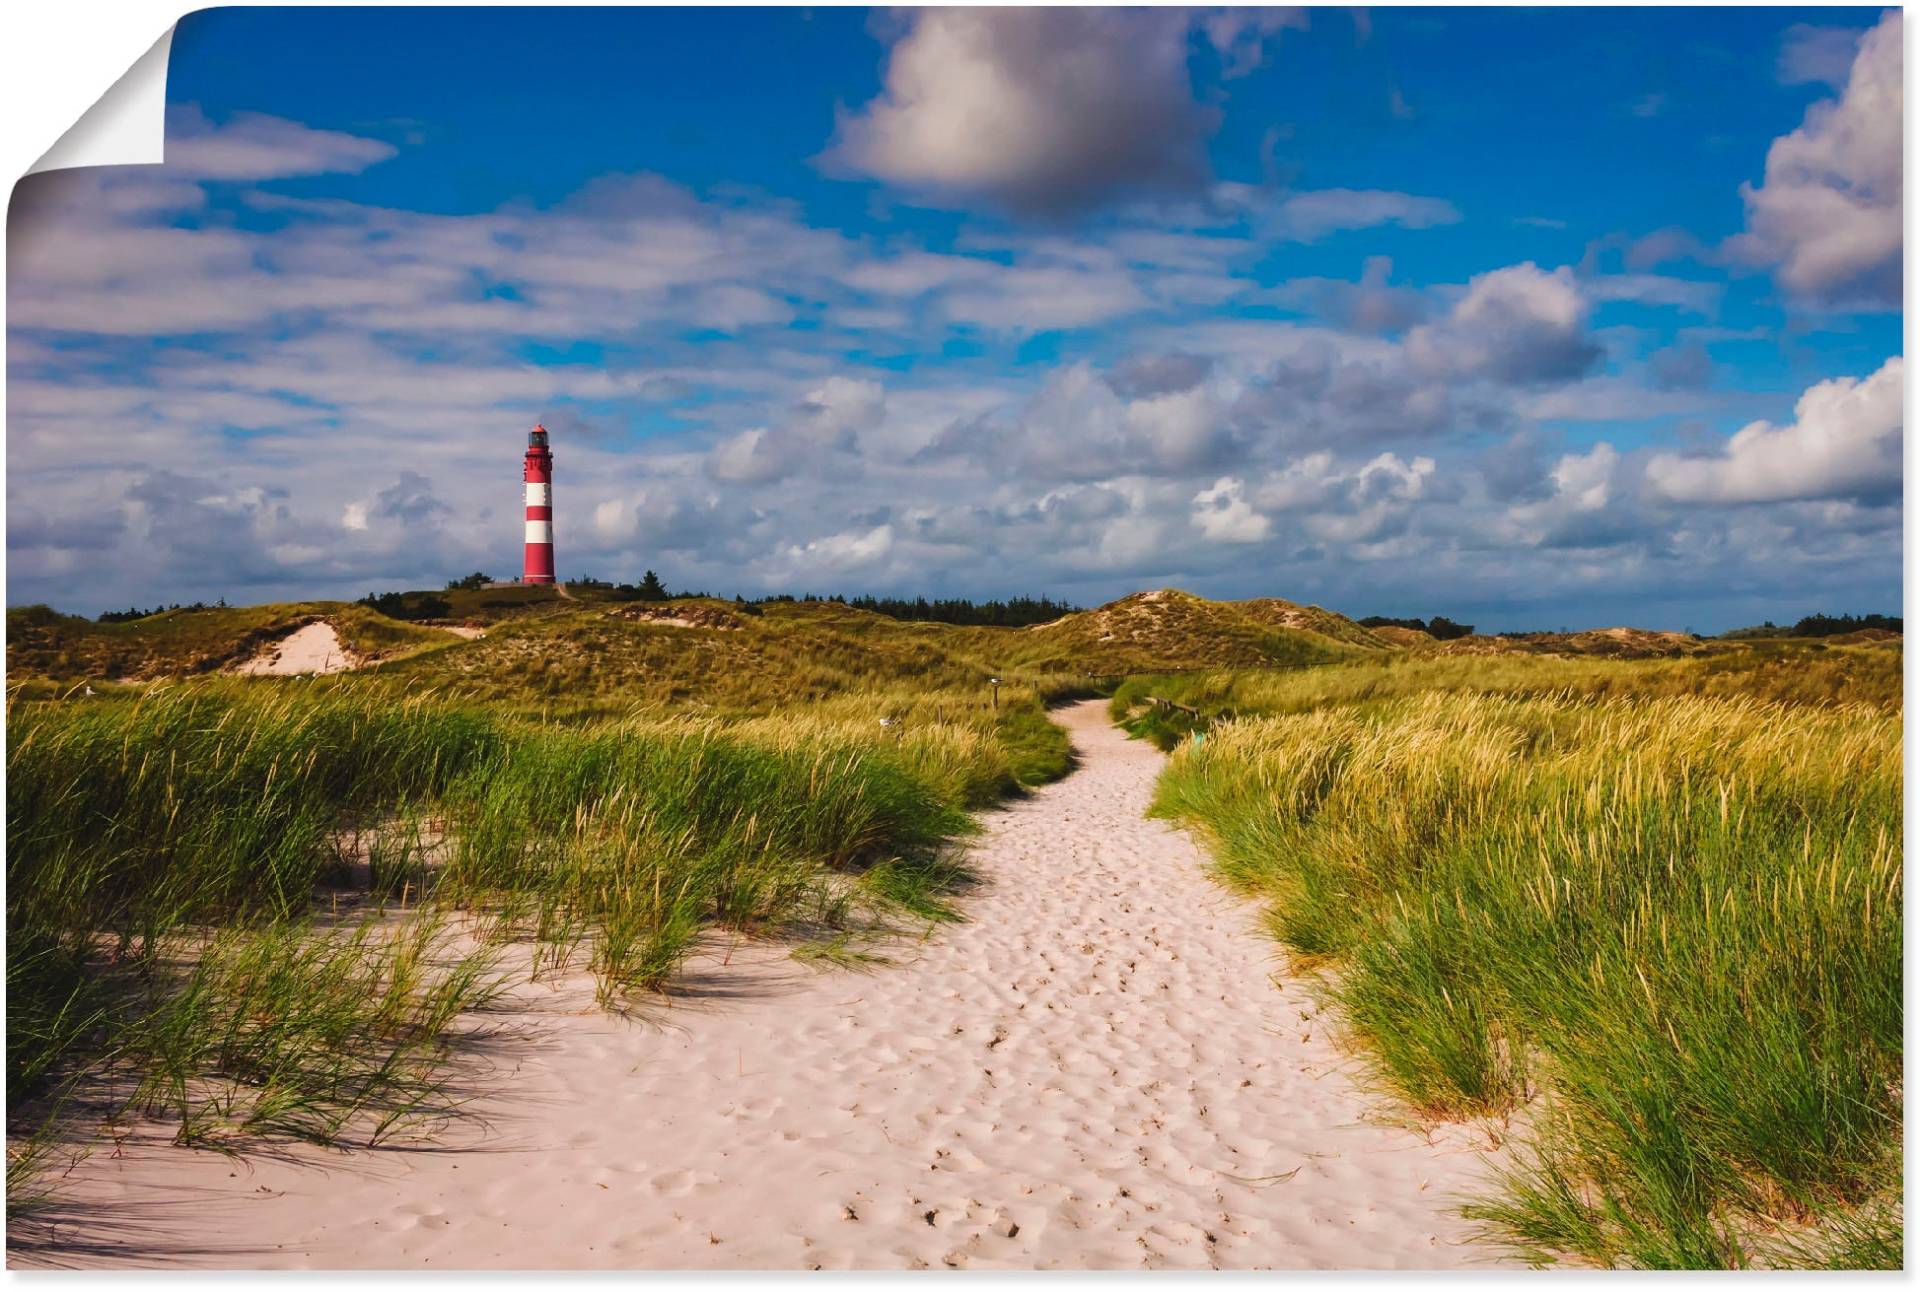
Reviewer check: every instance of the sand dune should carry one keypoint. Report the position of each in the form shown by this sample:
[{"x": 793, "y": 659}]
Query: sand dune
[
  {"x": 311, "y": 648},
  {"x": 1097, "y": 1071}
]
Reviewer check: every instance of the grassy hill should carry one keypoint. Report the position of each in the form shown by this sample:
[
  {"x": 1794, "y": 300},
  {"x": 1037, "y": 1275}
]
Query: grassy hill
[
  {"x": 706, "y": 653},
  {"x": 540, "y": 642},
  {"x": 42, "y": 643},
  {"x": 1170, "y": 629}
]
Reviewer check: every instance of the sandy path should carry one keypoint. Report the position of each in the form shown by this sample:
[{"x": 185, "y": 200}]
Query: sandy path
[
  {"x": 312, "y": 648},
  {"x": 1096, "y": 1072}
]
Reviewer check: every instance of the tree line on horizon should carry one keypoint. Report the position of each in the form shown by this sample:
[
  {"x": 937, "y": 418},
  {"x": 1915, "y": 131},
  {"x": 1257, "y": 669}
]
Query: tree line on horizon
[
  {"x": 1012, "y": 612},
  {"x": 1822, "y": 626},
  {"x": 1440, "y": 628},
  {"x": 132, "y": 613}
]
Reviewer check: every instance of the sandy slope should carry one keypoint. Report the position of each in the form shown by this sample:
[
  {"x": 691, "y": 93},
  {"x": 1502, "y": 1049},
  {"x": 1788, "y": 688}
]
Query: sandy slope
[
  {"x": 312, "y": 648},
  {"x": 1096, "y": 1072}
]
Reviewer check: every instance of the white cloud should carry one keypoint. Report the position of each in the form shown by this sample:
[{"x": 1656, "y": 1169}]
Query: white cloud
[
  {"x": 1819, "y": 54},
  {"x": 1373, "y": 503},
  {"x": 1656, "y": 289},
  {"x": 1046, "y": 297},
  {"x": 1584, "y": 481},
  {"x": 1373, "y": 304},
  {"x": 253, "y": 146},
  {"x": 614, "y": 520},
  {"x": 1223, "y": 514},
  {"x": 913, "y": 273},
  {"x": 836, "y": 553},
  {"x": 1829, "y": 213},
  {"x": 756, "y": 456},
  {"x": 734, "y": 307},
  {"x": 1242, "y": 36},
  {"x": 824, "y": 425},
  {"x": 1518, "y": 325},
  {"x": 1179, "y": 431},
  {"x": 835, "y": 412},
  {"x": 1309, "y": 216},
  {"x": 1049, "y": 110},
  {"x": 1306, "y": 482},
  {"x": 1388, "y": 478},
  {"x": 1844, "y": 442}
]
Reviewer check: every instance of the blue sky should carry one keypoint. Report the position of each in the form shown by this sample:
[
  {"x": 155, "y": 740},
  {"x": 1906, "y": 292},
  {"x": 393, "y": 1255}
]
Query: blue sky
[{"x": 1528, "y": 317}]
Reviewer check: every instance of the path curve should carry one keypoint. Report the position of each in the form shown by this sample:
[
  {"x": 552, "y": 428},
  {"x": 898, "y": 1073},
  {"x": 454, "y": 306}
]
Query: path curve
[{"x": 1098, "y": 1071}]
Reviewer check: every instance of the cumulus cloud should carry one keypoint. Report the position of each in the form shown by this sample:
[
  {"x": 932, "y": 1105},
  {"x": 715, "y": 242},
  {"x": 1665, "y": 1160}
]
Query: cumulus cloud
[
  {"x": 1044, "y": 111},
  {"x": 834, "y": 413},
  {"x": 1223, "y": 514},
  {"x": 754, "y": 456},
  {"x": 1585, "y": 480},
  {"x": 825, "y": 423},
  {"x": 1518, "y": 325},
  {"x": 1512, "y": 471},
  {"x": 1581, "y": 506},
  {"x": 1183, "y": 430},
  {"x": 1320, "y": 393},
  {"x": 1828, "y": 215},
  {"x": 1844, "y": 442},
  {"x": 839, "y": 553},
  {"x": 410, "y": 500},
  {"x": 1158, "y": 374},
  {"x": 1374, "y": 502},
  {"x": 659, "y": 516},
  {"x": 1075, "y": 428}
]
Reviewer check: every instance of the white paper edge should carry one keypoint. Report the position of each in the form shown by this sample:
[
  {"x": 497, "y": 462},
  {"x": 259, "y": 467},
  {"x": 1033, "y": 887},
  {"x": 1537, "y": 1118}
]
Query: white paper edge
[{"x": 126, "y": 126}]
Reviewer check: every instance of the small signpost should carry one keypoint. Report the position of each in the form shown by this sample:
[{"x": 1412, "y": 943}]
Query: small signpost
[{"x": 994, "y": 682}]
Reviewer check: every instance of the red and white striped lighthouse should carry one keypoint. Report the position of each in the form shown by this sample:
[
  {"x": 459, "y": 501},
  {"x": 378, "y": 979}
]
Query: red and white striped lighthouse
[{"x": 539, "y": 475}]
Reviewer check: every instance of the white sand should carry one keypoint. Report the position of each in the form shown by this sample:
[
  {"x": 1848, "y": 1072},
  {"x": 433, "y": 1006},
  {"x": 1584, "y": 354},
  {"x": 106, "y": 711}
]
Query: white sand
[
  {"x": 314, "y": 648},
  {"x": 1095, "y": 1072}
]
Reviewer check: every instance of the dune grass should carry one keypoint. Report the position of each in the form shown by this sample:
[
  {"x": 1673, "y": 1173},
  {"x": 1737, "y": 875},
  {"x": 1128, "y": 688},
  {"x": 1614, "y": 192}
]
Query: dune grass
[
  {"x": 1791, "y": 672},
  {"x": 1661, "y": 931},
  {"x": 175, "y": 857}
]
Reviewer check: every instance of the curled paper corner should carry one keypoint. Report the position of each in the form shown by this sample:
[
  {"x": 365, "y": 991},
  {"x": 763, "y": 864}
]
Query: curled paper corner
[{"x": 126, "y": 126}]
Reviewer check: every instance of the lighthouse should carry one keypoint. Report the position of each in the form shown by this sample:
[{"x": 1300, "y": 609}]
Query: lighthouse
[{"x": 539, "y": 476}]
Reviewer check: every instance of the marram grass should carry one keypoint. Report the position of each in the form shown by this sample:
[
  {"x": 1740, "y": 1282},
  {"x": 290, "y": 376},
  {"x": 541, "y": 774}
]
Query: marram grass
[
  {"x": 1664, "y": 932},
  {"x": 169, "y": 852}
]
